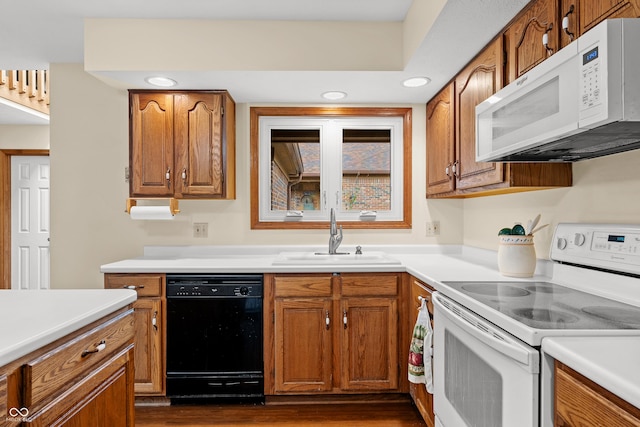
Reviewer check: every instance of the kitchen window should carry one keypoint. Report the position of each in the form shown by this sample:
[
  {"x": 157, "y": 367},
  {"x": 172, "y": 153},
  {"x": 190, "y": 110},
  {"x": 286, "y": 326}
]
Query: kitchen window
[{"x": 306, "y": 161}]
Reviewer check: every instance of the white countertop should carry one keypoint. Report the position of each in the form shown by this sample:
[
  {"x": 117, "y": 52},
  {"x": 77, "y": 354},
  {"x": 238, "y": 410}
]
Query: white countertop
[
  {"x": 611, "y": 362},
  {"x": 608, "y": 364},
  {"x": 32, "y": 319}
]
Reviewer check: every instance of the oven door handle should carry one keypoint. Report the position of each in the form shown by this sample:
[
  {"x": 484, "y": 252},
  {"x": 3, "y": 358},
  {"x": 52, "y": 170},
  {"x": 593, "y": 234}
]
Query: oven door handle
[{"x": 486, "y": 332}]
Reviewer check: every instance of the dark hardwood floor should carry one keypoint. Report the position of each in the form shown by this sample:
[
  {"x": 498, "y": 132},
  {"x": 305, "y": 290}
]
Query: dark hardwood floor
[{"x": 383, "y": 414}]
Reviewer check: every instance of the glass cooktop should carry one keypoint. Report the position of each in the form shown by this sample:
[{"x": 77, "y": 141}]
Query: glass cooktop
[{"x": 544, "y": 305}]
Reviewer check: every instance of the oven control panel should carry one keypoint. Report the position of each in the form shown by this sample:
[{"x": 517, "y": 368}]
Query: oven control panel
[{"x": 607, "y": 246}]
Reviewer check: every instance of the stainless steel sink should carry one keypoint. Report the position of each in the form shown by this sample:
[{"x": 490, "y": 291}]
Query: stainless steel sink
[{"x": 323, "y": 258}]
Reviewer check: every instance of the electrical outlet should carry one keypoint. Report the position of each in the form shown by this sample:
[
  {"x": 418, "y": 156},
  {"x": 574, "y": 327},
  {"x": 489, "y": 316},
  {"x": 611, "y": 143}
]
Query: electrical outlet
[
  {"x": 433, "y": 228},
  {"x": 200, "y": 229}
]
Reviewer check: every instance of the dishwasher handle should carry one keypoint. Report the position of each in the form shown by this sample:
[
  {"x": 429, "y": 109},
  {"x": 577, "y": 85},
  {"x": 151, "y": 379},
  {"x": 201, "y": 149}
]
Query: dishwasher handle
[{"x": 486, "y": 332}]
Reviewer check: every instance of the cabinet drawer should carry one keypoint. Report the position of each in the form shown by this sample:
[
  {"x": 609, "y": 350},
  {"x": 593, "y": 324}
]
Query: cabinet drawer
[
  {"x": 3, "y": 397},
  {"x": 374, "y": 284},
  {"x": 303, "y": 286},
  {"x": 146, "y": 285},
  {"x": 54, "y": 372}
]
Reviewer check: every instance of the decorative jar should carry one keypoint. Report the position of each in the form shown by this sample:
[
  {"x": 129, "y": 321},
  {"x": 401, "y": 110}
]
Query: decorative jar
[{"x": 516, "y": 256}]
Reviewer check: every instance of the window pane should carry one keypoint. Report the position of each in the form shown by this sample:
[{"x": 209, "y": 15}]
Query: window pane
[
  {"x": 366, "y": 169},
  {"x": 295, "y": 169}
]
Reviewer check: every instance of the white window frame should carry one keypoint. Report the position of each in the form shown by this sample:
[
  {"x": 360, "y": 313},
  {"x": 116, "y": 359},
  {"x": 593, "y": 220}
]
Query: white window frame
[{"x": 331, "y": 155}]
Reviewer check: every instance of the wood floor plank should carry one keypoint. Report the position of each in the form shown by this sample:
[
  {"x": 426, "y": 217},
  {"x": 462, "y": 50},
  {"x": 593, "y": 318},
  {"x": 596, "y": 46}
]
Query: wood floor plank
[{"x": 304, "y": 415}]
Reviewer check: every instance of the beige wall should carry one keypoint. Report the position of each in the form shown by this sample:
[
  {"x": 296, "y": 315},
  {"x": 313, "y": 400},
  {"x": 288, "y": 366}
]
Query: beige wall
[
  {"x": 24, "y": 137},
  {"x": 89, "y": 152},
  {"x": 605, "y": 190}
]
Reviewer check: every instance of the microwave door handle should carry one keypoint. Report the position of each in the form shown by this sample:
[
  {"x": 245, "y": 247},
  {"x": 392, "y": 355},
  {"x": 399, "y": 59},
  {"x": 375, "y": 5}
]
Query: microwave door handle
[{"x": 505, "y": 345}]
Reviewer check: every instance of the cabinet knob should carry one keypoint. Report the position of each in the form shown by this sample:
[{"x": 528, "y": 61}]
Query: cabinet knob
[
  {"x": 167, "y": 176},
  {"x": 327, "y": 320},
  {"x": 154, "y": 321},
  {"x": 184, "y": 175},
  {"x": 98, "y": 348},
  {"x": 344, "y": 319}
]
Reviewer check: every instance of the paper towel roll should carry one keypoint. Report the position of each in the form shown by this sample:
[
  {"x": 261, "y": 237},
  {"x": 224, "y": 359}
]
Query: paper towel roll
[{"x": 151, "y": 212}]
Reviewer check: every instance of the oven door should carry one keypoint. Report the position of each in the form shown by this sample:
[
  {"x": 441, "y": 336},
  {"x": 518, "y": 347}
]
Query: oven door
[{"x": 483, "y": 377}]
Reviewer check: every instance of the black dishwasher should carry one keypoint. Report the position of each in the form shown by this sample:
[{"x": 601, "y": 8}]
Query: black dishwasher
[{"x": 214, "y": 337}]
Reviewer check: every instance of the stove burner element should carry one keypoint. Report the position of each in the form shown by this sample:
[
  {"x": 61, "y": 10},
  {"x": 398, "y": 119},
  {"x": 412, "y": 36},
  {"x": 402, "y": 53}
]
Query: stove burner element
[
  {"x": 627, "y": 316},
  {"x": 495, "y": 289},
  {"x": 545, "y": 315},
  {"x": 546, "y": 288}
]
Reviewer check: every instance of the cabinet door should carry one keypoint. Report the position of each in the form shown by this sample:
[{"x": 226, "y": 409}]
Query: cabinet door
[
  {"x": 523, "y": 38},
  {"x": 480, "y": 79},
  {"x": 303, "y": 348},
  {"x": 594, "y": 12},
  {"x": 104, "y": 398},
  {"x": 440, "y": 142},
  {"x": 149, "y": 357},
  {"x": 199, "y": 144},
  {"x": 369, "y": 350},
  {"x": 422, "y": 399},
  {"x": 151, "y": 144}
]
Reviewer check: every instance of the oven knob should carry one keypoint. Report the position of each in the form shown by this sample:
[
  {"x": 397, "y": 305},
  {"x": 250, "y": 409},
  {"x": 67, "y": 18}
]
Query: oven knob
[
  {"x": 244, "y": 290},
  {"x": 579, "y": 239},
  {"x": 561, "y": 243}
]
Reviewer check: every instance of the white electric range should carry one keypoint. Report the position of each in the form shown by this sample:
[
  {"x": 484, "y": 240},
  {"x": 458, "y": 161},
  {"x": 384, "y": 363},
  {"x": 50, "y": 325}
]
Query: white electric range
[{"x": 487, "y": 362}]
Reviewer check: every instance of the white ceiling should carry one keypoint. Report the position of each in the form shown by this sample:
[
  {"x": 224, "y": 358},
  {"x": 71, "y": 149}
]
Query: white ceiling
[{"x": 37, "y": 33}]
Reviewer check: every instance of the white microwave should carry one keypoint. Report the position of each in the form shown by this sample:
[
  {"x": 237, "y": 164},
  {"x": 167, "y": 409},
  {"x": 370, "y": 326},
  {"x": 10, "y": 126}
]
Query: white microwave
[{"x": 583, "y": 102}]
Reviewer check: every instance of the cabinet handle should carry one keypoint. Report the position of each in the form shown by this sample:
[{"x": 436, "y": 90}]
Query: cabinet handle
[
  {"x": 167, "y": 176},
  {"x": 154, "y": 321},
  {"x": 454, "y": 168},
  {"x": 327, "y": 320},
  {"x": 344, "y": 318},
  {"x": 133, "y": 287},
  {"x": 565, "y": 24},
  {"x": 545, "y": 40},
  {"x": 101, "y": 346},
  {"x": 184, "y": 176},
  {"x": 447, "y": 170}
]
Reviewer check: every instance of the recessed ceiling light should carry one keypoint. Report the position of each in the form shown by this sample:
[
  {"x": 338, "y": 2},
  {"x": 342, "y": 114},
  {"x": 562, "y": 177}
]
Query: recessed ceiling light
[
  {"x": 416, "y": 82},
  {"x": 334, "y": 95},
  {"x": 161, "y": 81}
]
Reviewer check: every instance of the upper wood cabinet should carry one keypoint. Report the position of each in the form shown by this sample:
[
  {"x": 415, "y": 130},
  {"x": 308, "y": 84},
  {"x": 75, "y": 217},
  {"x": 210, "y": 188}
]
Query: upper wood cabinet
[
  {"x": 582, "y": 15},
  {"x": 523, "y": 38},
  {"x": 441, "y": 142},
  {"x": 182, "y": 144}
]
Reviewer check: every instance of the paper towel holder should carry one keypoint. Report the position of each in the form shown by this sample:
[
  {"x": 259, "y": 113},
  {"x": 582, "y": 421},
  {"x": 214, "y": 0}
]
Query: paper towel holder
[{"x": 173, "y": 203}]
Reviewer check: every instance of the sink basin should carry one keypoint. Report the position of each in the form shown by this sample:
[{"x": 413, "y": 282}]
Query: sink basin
[{"x": 321, "y": 258}]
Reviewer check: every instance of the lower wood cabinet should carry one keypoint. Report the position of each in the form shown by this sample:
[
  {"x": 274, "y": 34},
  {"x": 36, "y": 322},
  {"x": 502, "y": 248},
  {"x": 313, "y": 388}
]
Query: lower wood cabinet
[
  {"x": 333, "y": 333},
  {"x": 149, "y": 329},
  {"x": 83, "y": 379},
  {"x": 578, "y": 401},
  {"x": 422, "y": 399}
]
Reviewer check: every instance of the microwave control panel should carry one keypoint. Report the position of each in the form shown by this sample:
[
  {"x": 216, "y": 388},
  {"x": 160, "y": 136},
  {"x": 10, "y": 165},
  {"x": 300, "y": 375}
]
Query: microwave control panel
[{"x": 590, "y": 78}]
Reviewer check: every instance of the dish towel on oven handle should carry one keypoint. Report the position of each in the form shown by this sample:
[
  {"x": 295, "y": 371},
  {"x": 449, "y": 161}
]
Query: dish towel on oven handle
[{"x": 420, "y": 350}]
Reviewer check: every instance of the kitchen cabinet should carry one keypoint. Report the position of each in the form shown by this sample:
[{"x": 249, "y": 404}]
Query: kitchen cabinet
[
  {"x": 451, "y": 168},
  {"x": 332, "y": 333},
  {"x": 523, "y": 38},
  {"x": 582, "y": 15},
  {"x": 579, "y": 401},
  {"x": 77, "y": 380},
  {"x": 149, "y": 350},
  {"x": 182, "y": 144},
  {"x": 422, "y": 399}
]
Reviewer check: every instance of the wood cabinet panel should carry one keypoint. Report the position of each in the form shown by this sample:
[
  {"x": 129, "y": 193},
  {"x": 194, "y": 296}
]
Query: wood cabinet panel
[
  {"x": 422, "y": 399},
  {"x": 332, "y": 333},
  {"x": 480, "y": 79},
  {"x": 581, "y": 402},
  {"x": 182, "y": 144},
  {"x": 441, "y": 142},
  {"x": 369, "y": 344},
  {"x": 583, "y": 15},
  {"x": 151, "y": 144},
  {"x": 55, "y": 370},
  {"x": 146, "y": 285},
  {"x": 523, "y": 38},
  {"x": 150, "y": 329},
  {"x": 303, "y": 342}
]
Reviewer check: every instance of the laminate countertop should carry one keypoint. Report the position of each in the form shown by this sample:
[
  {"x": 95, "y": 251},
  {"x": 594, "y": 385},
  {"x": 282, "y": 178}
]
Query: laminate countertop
[{"x": 34, "y": 318}]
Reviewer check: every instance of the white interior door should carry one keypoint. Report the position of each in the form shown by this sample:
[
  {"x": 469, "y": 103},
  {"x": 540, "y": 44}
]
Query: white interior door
[{"x": 30, "y": 222}]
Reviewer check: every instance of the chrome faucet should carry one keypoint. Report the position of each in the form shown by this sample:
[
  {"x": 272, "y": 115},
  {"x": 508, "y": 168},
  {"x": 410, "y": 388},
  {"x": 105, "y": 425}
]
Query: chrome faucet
[{"x": 335, "y": 239}]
